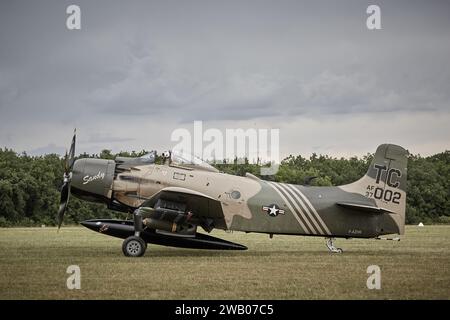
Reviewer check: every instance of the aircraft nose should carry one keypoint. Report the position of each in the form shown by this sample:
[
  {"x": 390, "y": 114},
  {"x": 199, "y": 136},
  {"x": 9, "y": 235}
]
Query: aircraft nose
[{"x": 92, "y": 179}]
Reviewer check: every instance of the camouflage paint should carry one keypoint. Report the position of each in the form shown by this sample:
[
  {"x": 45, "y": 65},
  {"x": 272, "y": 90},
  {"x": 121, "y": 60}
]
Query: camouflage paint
[{"x": 369, "y": 207}]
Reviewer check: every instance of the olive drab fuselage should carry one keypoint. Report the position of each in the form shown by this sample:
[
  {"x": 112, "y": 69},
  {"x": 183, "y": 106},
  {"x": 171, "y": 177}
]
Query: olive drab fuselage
[
  {"x": 177, "y": 198},
  {"x": 254, "y": 205}
]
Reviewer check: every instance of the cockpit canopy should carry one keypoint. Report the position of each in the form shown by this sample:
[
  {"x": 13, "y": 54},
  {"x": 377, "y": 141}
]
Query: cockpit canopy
[
  {"x": 186, "y": 160},
  {"x": 172, "y": 158}
]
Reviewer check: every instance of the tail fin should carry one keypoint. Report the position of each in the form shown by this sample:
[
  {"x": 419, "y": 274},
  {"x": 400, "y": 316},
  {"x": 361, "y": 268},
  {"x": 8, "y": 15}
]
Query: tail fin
[{"x": 385, "y": 183}]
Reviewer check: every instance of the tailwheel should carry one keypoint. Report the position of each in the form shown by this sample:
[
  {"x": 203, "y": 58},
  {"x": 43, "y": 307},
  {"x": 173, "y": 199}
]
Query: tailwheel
[
  {"x": 331, "y": 246},
  {"x": 134, "y": 247}
]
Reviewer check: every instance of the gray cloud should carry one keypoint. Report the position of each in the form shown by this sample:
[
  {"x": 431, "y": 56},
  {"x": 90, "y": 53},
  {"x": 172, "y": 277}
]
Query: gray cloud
[
  {"x": 104, "y": 138},
  {"x": 48, "y": 149},
  {"x": 139, "y": 69}
]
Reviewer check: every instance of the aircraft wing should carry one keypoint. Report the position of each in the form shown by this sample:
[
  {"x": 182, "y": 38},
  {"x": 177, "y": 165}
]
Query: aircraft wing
[
  {"x": 205, "y": 210},
  {"x": 363, "y": 207},
  {"x": 171, "y": 218}
]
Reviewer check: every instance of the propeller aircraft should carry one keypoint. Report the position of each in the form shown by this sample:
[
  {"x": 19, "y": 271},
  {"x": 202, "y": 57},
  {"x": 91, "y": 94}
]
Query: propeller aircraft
[{"x": 170, "y": 200}]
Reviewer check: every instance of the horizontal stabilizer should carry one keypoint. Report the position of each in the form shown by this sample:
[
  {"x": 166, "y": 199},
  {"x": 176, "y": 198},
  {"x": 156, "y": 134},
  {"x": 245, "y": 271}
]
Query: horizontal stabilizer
[{"x": 363, "y": 207}]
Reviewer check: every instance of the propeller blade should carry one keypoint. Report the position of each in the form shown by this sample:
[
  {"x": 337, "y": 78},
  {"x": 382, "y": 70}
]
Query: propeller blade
[
  {"x": 66, "y": 164},
  {"x": 65, "y": 193},
  {"x": 71, "y": 159}
]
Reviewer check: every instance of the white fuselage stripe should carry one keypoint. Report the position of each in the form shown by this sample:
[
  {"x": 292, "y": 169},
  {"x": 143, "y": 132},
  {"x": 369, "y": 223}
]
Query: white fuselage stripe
[
  {"x": 290, "y": 207},
  {"x": 293, "y": 199},
  {"x": 305, "y": 207},
  {"x": 319, "y": 218}
]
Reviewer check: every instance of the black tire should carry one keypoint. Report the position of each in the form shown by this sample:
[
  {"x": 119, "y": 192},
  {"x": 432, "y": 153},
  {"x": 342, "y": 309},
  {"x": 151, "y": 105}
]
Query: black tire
[{"x": 134, "y": 247}]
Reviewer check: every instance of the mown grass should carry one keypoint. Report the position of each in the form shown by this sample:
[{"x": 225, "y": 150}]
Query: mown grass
[{"x": 33, "y": 263}]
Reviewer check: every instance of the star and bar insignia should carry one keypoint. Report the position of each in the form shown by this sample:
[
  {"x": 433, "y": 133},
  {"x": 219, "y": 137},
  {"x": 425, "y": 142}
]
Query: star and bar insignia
[{"x": 273, "y": 210}]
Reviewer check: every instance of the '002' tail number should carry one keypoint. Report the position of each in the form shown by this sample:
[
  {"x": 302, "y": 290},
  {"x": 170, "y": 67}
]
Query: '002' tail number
[{"x": 381, "y": 194}]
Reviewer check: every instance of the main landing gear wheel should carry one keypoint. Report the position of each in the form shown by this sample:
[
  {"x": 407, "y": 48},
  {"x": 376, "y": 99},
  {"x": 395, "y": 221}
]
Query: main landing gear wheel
[
  {"x": 331, "y": 246},
  {"x": 134, "y": 247}
]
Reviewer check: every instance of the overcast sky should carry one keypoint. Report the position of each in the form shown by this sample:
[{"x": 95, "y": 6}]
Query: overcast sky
[{"x": 137, "y": 70}]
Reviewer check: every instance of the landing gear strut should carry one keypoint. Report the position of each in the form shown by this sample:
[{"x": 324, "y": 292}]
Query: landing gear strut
[
  {"x": 331, "y": 246},
  {"x": 135, "y": 246}
]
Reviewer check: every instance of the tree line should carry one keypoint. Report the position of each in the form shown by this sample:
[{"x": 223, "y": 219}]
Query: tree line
[{"x": 29, "y": 185}]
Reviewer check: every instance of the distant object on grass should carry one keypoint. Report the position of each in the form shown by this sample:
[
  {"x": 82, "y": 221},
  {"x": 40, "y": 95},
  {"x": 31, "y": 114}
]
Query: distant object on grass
[
  {"x": 420, "y": 224},
  {"x": 42, "y": 225}
]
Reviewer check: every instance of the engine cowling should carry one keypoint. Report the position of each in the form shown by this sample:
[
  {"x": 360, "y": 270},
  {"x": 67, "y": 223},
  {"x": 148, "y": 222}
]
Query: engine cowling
[{"x": 92, "y": 179}]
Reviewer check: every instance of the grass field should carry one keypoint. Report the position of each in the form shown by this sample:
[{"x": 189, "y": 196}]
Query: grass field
[{"x": 33, "y": 263}]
